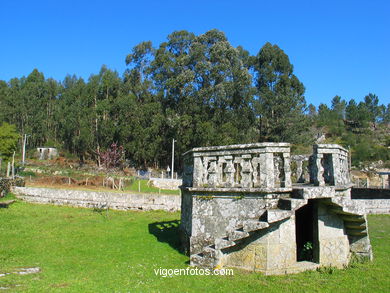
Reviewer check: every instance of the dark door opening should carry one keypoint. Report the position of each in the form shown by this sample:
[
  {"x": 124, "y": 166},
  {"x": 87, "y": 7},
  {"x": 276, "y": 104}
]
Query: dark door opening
[{"x": 306, "y": 232}]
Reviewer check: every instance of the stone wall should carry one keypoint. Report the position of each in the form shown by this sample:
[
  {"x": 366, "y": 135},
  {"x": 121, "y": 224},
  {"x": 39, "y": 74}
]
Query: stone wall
[
  {"x": 375, "y": 201},
  {"x": 92, "y": 199},
  {"x": 271, "y": 251},
  {"x": 7, "y": 183},
  {"x": 172, "y": 184},
  {"x": 333, "y": 241},
  {"x": 213, "y": 215}
]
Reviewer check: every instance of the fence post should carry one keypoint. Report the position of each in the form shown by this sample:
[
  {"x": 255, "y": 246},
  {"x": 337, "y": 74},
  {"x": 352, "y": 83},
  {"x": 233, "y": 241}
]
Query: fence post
[
  {"x": 8, "y": 169},
  {"x": 139, "y": 186},
  {"x": 13, "y": 166}
]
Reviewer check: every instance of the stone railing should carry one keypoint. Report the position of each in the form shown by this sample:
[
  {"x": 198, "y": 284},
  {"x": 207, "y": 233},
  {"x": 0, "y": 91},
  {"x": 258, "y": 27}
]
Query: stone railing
[
  {"x": 258, "y": 165},
  {"x": 330, "y": 166}
]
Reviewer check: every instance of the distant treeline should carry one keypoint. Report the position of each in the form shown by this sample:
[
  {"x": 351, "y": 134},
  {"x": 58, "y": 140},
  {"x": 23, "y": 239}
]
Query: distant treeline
[{"x": 199, "y": 90}]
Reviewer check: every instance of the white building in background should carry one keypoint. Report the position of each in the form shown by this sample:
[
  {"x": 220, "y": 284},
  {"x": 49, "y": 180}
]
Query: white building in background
[{"x": 45, "y": 153}]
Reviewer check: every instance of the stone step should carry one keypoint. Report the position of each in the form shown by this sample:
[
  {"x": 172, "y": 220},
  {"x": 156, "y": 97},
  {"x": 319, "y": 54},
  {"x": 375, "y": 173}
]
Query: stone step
[
  {"x": 291, "y": 203},
  {"x": 348, "y": 206},
  {"x": 209, "y": 251},
  {"x": 353, "y": 232},
  {"x": 340, "y": 211},
  {"x": 353, "y": 219},
  {"x": 221, "y": 243},
  {"x": 276, "y": 215},
  {"x": 356, "y": 225},
  {"x": 237, "y": 235},
  {"x": 201, "y": 261},
  {"x": 207, "y": 258},
  {"x": 253, "y": 225}
]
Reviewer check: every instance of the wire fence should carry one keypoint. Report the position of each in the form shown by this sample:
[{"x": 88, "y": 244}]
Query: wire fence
[
  {"x": 367, "y": 183},
  {"x": 143, "y": 174}
]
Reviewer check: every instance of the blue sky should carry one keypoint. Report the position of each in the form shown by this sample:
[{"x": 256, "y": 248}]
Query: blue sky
[{"x": 336, "y": 47}]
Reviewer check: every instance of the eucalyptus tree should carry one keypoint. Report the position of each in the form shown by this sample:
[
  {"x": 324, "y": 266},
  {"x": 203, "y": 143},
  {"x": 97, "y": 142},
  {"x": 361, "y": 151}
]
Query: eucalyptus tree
[
  {"x": 101, "y": 92},
  {"x": 205, "y": 89},
  {"x": 75, "y": 124},
  {"x": 141, "y": 119},
  {"x": 281, "y": 101}
]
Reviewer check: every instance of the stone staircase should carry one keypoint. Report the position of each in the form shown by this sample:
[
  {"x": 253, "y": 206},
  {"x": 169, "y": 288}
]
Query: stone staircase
[
  {"x": 353, "y": 215},
  {"x": 210, "y": 255},
  {"x": 354, "y": 218}
]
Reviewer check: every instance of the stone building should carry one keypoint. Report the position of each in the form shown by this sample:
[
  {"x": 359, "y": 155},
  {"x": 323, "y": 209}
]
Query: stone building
[
  {"x": 241, "y": 209},
  {"x": 46, "y": 153}
]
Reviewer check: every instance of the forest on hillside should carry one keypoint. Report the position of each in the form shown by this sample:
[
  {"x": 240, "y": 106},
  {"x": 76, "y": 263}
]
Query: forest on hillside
[{"x": 196, "y": 89}]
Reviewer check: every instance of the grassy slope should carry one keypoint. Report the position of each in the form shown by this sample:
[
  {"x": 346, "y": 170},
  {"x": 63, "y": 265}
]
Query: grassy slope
[
  {"x": 134, "y": 187},
  {"x": 143, "y": 184},
  {"x": 80, "y": 250}
]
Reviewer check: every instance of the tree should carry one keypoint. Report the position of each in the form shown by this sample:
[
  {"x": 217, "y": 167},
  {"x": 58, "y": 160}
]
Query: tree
[
  {"x": 101, "y": 92},
  {"x": 385, "y": 114},
  {"x": 8, "y": 140},
  {"x": 281, "y": 102},
  {"x": 312, "y": 111},
  {"x": 371, "y": 102},
  {"x": 75, "y": 120},
  {"x": 113, "y": 156},
  {"x": 338, "y": 108},
  {"x": 202, "y": 85}
]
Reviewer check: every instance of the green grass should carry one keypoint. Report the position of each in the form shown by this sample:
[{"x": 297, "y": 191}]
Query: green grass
[
  {"x": 81, "y": 250},
  {"x": 132, "y": 187},
  {"x": 8, "y": 196},
  {"x": 144, "y": 187}
]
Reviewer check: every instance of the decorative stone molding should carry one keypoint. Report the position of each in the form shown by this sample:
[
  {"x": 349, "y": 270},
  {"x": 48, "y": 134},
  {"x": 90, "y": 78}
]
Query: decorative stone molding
[
  {"x": 329, "y": 165},
  {"x": 257, "y": 166}
]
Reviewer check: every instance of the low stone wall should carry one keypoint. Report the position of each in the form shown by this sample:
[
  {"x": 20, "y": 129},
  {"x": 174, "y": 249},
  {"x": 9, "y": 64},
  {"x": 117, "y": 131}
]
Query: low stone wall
[
  {"x": 92, "y": 199},
  {"x": 172, "y": 184},
  {"x": 7, "y": 183},
  {"x": 375, "y": 201}
]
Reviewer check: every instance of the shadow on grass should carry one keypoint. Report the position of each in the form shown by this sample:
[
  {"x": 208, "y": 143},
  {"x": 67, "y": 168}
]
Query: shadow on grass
[{"x": 167, "y": 232}]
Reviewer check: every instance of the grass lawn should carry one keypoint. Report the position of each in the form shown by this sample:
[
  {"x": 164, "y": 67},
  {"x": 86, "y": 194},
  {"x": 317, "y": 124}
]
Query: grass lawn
[
  {"x": 138, "y": 185},
  {"x": 81, "y": 250}
]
